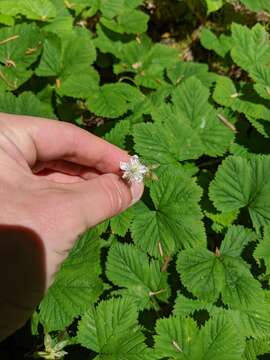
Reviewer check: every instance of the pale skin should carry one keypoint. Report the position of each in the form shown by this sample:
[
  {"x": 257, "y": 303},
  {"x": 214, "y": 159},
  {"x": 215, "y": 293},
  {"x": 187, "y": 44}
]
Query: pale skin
[{"x": 56, "y": 181}]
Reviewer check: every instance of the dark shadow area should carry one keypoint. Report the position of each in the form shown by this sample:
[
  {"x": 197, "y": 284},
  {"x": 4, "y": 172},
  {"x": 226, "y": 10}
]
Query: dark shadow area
[{"x": 22, "y": 283}]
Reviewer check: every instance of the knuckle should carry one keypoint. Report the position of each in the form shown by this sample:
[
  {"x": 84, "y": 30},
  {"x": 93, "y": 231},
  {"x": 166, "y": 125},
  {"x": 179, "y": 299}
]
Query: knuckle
[{"x": 118, "y": 196}]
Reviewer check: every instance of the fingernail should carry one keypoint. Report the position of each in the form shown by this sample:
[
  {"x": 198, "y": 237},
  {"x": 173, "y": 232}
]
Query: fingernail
[{"x": 136, "y": 192}]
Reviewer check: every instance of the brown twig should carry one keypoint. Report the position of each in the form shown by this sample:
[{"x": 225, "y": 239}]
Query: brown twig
[
  {"x": 165, "y": 265},
  {"x": 2, "y": 76},
  {"x": 14, "y": 37},
  {"x": 227, "y": 123}
]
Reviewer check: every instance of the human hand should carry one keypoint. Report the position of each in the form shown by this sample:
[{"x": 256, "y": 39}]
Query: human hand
[{"x": 56, "y": 181}]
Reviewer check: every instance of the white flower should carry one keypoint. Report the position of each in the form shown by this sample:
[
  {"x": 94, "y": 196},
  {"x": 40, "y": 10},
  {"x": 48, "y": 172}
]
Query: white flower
[{"x": 133, "y": 170}]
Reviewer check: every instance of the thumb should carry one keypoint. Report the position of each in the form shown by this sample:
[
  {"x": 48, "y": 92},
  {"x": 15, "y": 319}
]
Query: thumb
[{"x": 105, "y": 196}]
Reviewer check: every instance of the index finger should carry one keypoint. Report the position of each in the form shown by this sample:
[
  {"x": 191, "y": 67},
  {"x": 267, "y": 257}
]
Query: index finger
[{"x": 45, "y": 140}]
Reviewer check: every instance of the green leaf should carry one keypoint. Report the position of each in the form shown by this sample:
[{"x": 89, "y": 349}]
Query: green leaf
[
  {"x": 130, "y": 268},
  {"x": 227, "y": 95},
  {"x": 210, "y": 41},
  {"x": 78, "y": 52},
  {"x": 76, "y": 286},
  {"x": 104, "y": 330},
  {"x": 207, "y": 275},
  {"x": 252, "y": 321},
  {"x": 213, "y": 5},
  {"x": 262, "y": 250},
  {"x": 185, "y": 306},
  {"x": 25, "y": 104},
  {"x": 174, "y": 336},
  {"x": 185, "y": 131},
  {"x": 181, "y": 71},
  {"x": 191, "y": 104},
  {"x": 219, "y": 339},
  {"x": 121, "y": 16},
  {"x": 175, "y": 221},
  {"x": 202, "y": 273},
  {"x": 250, "y": 46},
  {"x": 256, "y": 347},
  {"x": 121, "y": 223},
  {"x": 249, "y": 321},
  {"x": 50, "y": 63},
  {"x": 108, "y": 42},
  {"x": 261, "y": 74},
  {"x": 114, "y": 100},
  {"x": 222, "y": 220},
  {"x": 7, "y": 20},
  {"x": 42, "y": 10},
  {"x": 257, "y": 5},
  {"x": 241, "y": 182},
  {"x": 20, "y": 48},
  {"x": 64, "y": 58},
  {"x": 147, "y": 61},
  {"x": 79, "y": 85},
  {"x": 131, "y": 22},
  {"x": 117, "y": 135},
  {"x": 236, "y": 238},
  {"x": 37, "y": 9},
  {"x": 179, "y": 338}
]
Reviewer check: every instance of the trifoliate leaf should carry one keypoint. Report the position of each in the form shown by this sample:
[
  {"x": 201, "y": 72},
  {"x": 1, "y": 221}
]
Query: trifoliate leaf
[
  {"x": 130, "y": 268},
  {"x": 180, "y": 339},
  {"x": 241, "y": 182},
  {"x": 207, "y": 275},
  {"x": 188, "y": 130},
  {"x": 104, "y": 330},
  {"x": 114, "y": 100},
  {"x": 76, "y": 286},
  {"x": 175, "y": 221}
]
